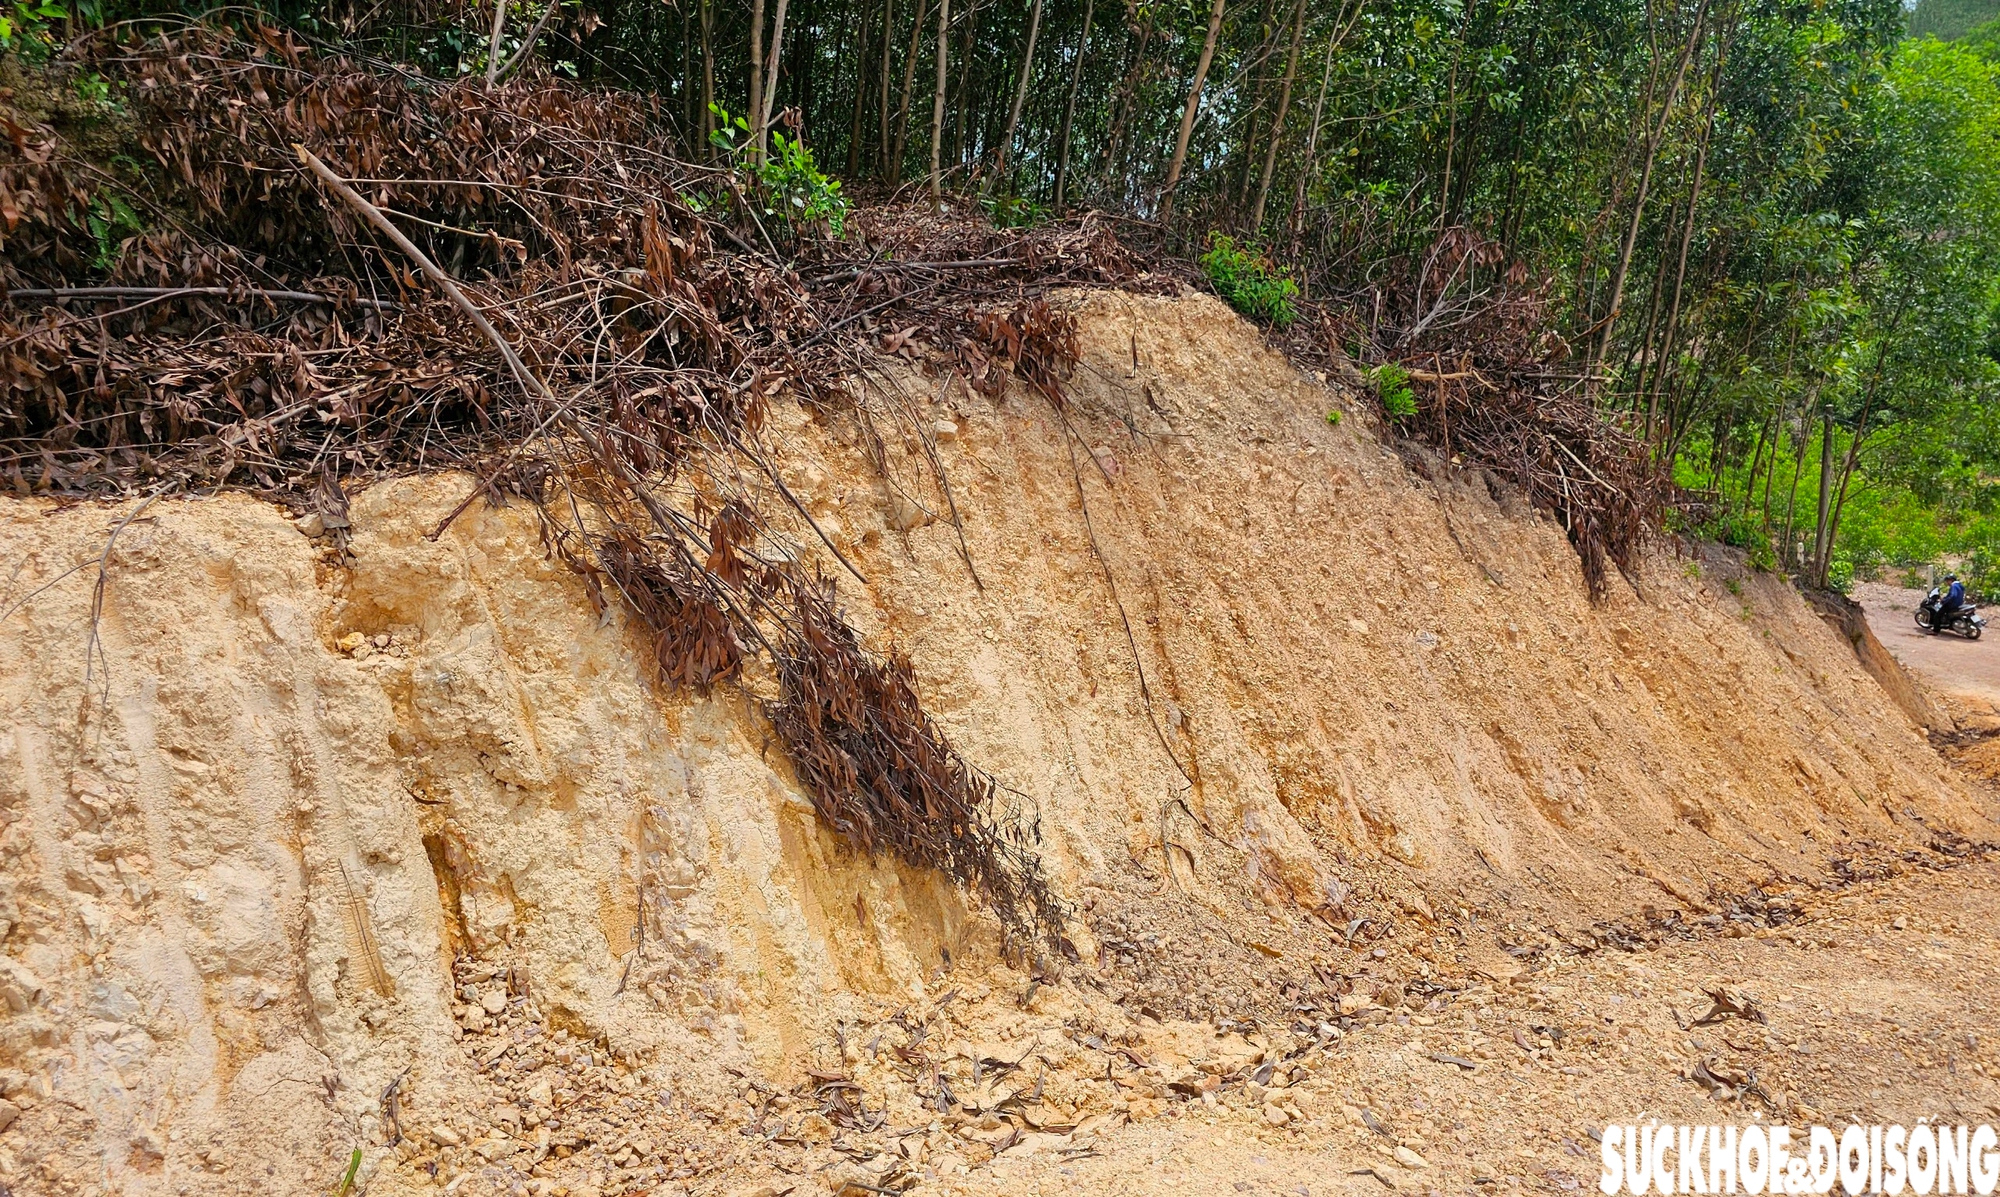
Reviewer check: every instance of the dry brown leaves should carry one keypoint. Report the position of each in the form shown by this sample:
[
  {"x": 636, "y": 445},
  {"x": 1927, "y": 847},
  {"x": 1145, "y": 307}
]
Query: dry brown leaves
[{"x": 882, "y": 775}]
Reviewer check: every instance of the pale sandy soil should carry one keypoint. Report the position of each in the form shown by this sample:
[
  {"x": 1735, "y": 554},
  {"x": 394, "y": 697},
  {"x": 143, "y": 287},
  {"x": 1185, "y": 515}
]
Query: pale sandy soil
[{"x": 400, "y": 850}]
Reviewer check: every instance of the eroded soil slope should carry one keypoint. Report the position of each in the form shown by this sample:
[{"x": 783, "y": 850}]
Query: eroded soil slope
[{"x": 402, "y": 849}]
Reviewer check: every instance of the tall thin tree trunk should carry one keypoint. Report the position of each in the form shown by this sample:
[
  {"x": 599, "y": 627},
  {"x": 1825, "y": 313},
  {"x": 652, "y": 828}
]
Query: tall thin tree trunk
[
  {"x": 814, "y": 101},
  {"x": 1790, "y": 556},
  {"x": 756, "y": 66},
  {"x": 1854, "y": 444},
  {"x": 762, "y": 121},
  {"x": 903, "y": 110},
  {"x": 1451, "y": 118},
  {"x": 1771, "y": 471},
  {"x": 937, "y": 101},
  {"x": 1278, "y": 121},
  {"x": 707, "y": 77},
  {"x": 1756, "y": 462},
  {"x": 1188, "y": 114},
  {"x": 1655, "y": 294},
  {"x": 1664, "y": 358},
  {"x": 860, "y": 89},
  {"x": 1777, "y": 431},
  {"x": 1020, "y": 97},
  {"x": 1817, "y": 573},
  {"x": 1127, "y": 91},
  {"x": 1312, "y": 143},
  {"x": 961, "y": 125},
  {"x": 685, "y": 84},
  {"x": 1069, "y": 109},
  {"x": 1258, "y": 92},
  {"x": 1645, "y": 183},
  {"x": 1588, "y": 270},
  {"x": 882, "y": 131},
  {"x": 493, "y": 46}
]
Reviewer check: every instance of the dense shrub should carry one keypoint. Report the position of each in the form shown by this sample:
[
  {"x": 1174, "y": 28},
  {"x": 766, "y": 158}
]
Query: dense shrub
[{"x": 1248, "y": 281}]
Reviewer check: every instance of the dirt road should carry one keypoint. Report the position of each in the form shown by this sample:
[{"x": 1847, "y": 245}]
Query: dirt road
[
  {"x": 1873, "y": 1002},
  {"x": 1880, "y": 1003},
  {"x": 1951, "y": 665}
]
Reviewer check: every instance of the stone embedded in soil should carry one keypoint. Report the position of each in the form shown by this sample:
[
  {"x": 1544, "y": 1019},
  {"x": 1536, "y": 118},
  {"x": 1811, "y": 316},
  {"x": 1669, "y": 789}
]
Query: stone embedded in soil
[{"x": 905, "y": 516}]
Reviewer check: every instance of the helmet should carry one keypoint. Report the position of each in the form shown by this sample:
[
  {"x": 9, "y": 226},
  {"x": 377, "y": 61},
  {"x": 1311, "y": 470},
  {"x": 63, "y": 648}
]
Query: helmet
[{"x": 1951, "y": 577}]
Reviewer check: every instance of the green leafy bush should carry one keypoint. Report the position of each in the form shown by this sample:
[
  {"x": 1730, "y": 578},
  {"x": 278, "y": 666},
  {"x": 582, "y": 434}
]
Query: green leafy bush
[
  {"x": 24, "y": 27},
  {"x": 1248, "y": 281},
  {"x": 803, "y": 193},
  {"x": 111, "y": 221},
  {"x": 1013, "y": 211},
  {"x": 1732, "y": 526},
  {"x": 791, "y": 184},
  {"x": 1392, "y": 387},
  {"x": 1979, "y": 566}
]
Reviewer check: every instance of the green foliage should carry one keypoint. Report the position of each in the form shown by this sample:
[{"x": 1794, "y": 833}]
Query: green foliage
[
  {"x": 1249, "y": 282},
  {"x": 1984, "y": 40},
  {"x": 792, "y": 187},
  {"x": 1872, "y": 310},
  {"x": 804, "y": 194},
  {"x": 1392, "y": 387},
  {"x": 459, "y": 46},
  {"x": 110, "y": 220},
  {"x": 810, "y": 194},
  {"x": 1979, "y": 565},
  {"x": 347, "y": 1179},
  {"x": 1013, "y": 211},
  {"x": 25, "y": 27},
  {"x": 94, "y": 90}
]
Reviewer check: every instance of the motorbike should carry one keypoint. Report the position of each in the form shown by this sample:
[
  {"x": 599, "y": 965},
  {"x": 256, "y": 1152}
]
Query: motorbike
[{"x": 1966, "y": 620}]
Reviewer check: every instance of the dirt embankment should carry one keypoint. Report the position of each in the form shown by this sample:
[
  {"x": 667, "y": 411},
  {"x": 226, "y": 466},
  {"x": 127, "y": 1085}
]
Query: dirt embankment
[{"x": 303, "y": 853}]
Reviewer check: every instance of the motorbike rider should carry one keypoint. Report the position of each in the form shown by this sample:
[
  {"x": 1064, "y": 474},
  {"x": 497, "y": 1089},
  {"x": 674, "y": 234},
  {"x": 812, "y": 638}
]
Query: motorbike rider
[{"x": 1948, "y": 604}]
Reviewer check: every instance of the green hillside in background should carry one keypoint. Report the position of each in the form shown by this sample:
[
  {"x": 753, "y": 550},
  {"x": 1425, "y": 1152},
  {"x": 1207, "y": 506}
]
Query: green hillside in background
[{"x": 1951, "y": 18}]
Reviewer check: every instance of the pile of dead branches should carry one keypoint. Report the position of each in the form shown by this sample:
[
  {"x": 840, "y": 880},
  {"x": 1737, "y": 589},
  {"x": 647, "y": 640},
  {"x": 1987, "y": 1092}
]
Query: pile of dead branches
[
  {"x": 260, "y": 333},
  {"x": 1544, "y": 435},
  {"x": 334, "y": 273},
  {"x": 1468, "y": 326}
]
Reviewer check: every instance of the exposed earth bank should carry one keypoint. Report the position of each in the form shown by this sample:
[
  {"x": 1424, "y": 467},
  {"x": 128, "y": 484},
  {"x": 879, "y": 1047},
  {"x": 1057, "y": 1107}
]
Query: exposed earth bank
[{"x": 400, "y": 849}]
